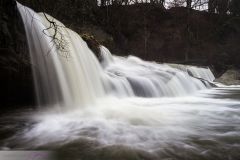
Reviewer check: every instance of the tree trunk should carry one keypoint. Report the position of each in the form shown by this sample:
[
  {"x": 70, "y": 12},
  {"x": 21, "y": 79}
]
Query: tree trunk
[{"x": 189, "y": 3}]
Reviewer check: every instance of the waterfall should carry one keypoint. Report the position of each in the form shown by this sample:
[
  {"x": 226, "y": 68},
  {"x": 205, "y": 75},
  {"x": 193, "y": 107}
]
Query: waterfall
[
  {"x": 132, "y": 76},
  {"x": 66, "y": 72},
  {"x": 197, "y": 72}
]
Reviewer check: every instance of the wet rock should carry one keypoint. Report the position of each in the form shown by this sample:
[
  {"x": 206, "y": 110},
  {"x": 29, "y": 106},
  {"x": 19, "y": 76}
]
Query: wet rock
[
  {"x": 93, "y": 44},
  {"x": 16, "y": 81}
]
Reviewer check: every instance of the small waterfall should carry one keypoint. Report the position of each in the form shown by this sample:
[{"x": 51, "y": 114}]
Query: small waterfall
[
  {"x": 132, "y": 76},
  {"x": 198, "y": 72},
  {"x": 67, "y": 73}
]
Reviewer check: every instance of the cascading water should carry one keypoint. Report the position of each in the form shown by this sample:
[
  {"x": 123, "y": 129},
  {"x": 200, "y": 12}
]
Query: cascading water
[
  {"x": 67, "y": 81},
  {"x": 134, "y": 77},
  {"x": 79, "y": 79},
  {"x": 197, "y": 72},
  {"x": 125, "y": 101}
]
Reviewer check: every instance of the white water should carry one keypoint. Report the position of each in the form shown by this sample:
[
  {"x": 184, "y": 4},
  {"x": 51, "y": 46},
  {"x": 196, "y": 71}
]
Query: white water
[
  {"x": 132, "y": 76},
  {"x": 147, "y": 124},
  {"x": 198, "y": 72},
  {"x": 66, "y": 81},
  {"x": 108, "y": 98},
  {"x": 78, "y": 80}
]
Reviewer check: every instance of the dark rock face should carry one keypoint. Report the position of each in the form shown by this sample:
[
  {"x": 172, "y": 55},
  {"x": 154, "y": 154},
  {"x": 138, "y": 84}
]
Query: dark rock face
[{"x": 15, "y": 69}]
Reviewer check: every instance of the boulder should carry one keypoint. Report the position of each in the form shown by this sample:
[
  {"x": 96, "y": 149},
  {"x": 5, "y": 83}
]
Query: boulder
[{"x": 230, "y": 77}]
